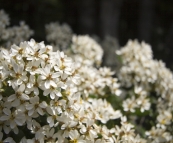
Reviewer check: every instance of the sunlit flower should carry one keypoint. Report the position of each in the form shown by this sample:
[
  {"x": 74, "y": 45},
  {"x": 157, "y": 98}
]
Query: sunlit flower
[{"x": 75, "y": 137}]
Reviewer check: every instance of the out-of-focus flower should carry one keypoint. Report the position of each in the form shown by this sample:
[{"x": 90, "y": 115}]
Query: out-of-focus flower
[
  {"x": 59, "y": 36},
  {"x": 150, "y": 84},
  {"x": 89, "y": 50},
  {"x": 12, "y": 35}
]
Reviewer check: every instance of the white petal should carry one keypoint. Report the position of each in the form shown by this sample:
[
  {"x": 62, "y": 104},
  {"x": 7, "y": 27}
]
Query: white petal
[
  {"x": 19, "y": 81},
  {"x": 29, "y": 85},
  {"x": 32, "y": 78},
  {"x": 7, "y": 111},
  {"x": 15, "y": 66},
  {"x": 36, "y": 99},
  {"x": 81, "y": 141},
  {"x": 29, "y": 106},
  {"x": 19, "y": 122},
  {"x": 62, "y": 54},
  {"x": 11, "y": 98},
  {"x": 52, "y": 95},
  {"x": 58, "y": 94},
  {"x": 20, "y": 69},
  {"x": 40, "y": 111},
  {"x": 51, "y": 124},
  {"x": 49, "y": 110},
  {"x": 43, "y": 104},
  {"x": 73, "y": 134},
  {"x": 15, "y": 103},
  {"x": 63, "y": 126},
  {"x": 21, "y": 88},
  {"x": 47, "y": 84},
  {"x": 49, "y": 119},
  {"x": 4, "y": 118},
  {"x": 36, "y": 91},
  {"x": 53, "y": 83},
  {"x": 64, "y": 76},
  {"x": 42, "y": 77},
  {"x": 25, "y": 97},
  {"x": 31, "y": 112},
  {"x": 16, "y": 130},
  {"x": 46, "y": 92},
  {"x": 51, "y": 132},
  {"x": 56, "y": 68},
  {"x": 47, "y": 69},
  {"x": 6, "y": 129},
  {"x": 55, "y": 75},
  {"x": 12, "y": 124}
]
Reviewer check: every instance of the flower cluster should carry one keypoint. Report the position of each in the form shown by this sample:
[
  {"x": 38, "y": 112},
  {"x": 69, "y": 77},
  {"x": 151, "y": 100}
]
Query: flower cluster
[
  {"x": 139, "y": 78},
  {"x": 59, "y": 36},
  {"x": 94, "y": 81},
  {"x": 50, "y": 96},
  {"x": 40, "y": 100},
  {"x": 152, "y": 85},
  {"x": 86, "y": 50},
  {"x": 11, "y": 35},
  {"x": 98, "y": 82}
]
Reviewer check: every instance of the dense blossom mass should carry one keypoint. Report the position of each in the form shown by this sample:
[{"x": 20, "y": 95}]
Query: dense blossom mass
[
  {"x": 40, "y": 97},
  {"x": 53, "y": 96},
  {"x": 153, "y": 86}
]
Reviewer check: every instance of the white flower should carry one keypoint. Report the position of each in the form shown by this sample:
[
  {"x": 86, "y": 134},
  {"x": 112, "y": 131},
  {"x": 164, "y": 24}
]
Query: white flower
[
  {"x": 75, "y": 137},
  {"x": 143, "y": 103},
  {"x": 164, "y": 118},
  {"x": 19, "y": 51},
  {"x": 36, "y": 106},
  {"x": 19, "y": 96},
  {"x": 36, "y": 51},
  {"x": 33, "y": 66},
  {"x": 159, "y": 135},
  {"x": 50, "y": 135},
  {"x": 19, "y": 75},
  {"x": 32, "y": 86},
  {"x": 88, "y": 49},
  {"x": 130, "y": 104},
  {"x": 103, "y": 110},
  {"x": 58, "y": 104},
  {"x": 53, "y": 118},
  {"x": 48, "y": 77},
  {"x": 37, "y": 130},
  {"x": 64, "y": 64},
  {"x": 14, "y": 119}
]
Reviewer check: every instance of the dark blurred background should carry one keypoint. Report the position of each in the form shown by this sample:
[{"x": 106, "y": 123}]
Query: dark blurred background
[{"x": 146, "y": 20}]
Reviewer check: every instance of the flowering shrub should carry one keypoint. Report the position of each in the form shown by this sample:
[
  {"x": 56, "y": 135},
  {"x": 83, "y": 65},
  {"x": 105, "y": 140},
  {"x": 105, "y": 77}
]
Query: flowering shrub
[
  {"x": 53, "y": 96},
  {"x": 150, "y": 85},
  {"x": 41, "y": 99}
]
